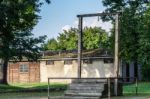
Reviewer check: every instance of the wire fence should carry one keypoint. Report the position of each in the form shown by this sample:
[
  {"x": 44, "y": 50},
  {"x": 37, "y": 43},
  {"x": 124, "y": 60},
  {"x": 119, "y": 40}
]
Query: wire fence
[
  {"x": 129, "y": 85},
  {"x": 56, "y": 87}
]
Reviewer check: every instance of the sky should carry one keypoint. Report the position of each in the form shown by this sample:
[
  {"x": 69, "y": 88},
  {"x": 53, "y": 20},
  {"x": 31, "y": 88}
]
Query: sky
[{"x": 61, "y": 15}]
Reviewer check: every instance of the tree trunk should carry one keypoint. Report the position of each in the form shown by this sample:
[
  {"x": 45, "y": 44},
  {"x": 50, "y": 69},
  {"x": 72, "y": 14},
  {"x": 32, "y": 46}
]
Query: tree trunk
[{"x": 5, "y": 67}]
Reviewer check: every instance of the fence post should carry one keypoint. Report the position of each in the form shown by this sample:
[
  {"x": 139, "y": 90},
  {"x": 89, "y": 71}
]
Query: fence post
[
  {"x": 108, "y": 79},
  {"x": 48, "y": 89},
  {"x": 136, "y": 86}
]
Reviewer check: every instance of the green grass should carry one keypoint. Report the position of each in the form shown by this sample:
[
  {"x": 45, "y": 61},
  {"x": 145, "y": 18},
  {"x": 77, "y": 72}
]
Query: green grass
[
  {"x": 34, "y": 87},
  {"x": 143, "y": 88},
  {"x": 30, "y": 95}
]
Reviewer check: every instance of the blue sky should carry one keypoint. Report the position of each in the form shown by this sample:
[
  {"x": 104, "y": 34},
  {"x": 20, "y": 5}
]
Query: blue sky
[{"x": 61, "y": 14}]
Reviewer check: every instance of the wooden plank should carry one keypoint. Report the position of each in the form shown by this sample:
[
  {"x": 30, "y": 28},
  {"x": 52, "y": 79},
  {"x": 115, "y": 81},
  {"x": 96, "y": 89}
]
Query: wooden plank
[{"x": 97, "y": 14}]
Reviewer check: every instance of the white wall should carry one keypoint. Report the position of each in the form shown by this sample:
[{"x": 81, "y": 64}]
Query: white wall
[
  {"x": 96, "y": 69},
  {"x": 57, "y": 70},
  {"x": 43, "y": 72}
]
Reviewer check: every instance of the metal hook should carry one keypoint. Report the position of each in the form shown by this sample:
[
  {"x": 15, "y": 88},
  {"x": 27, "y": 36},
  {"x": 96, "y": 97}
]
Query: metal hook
[{"x": 98, "y": 18}]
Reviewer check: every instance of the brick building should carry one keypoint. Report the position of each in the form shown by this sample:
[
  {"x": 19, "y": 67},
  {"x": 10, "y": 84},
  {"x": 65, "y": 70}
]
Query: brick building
[
  {"x": 23, "y": 72},
  {"x": 95, "y": 63}
]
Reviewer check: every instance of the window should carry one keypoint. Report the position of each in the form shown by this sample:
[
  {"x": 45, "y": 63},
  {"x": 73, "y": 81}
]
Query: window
[
  {"x": 108, "y": 60},
  {"x": 49, "y": 62},
  {"x": 68, "y": 62},
  {"x": 87, "y": 61},
  {"x": 24, "y": 68}
]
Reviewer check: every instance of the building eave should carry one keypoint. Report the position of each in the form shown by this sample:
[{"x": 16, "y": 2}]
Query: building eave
[{"x": 57, "y": 59}]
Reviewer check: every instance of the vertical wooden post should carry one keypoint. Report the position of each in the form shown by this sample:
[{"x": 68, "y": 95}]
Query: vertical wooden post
[
  {"x": 116, "y": 59},
  {"x": 79, "y": 46}
]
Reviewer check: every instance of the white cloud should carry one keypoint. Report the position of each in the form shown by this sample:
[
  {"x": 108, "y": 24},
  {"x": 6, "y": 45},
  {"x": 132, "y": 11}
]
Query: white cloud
[
  {"x": 90, "y": 22},
  {"x": 94, "y": 22},
  {"x": 66, "y": 27}
]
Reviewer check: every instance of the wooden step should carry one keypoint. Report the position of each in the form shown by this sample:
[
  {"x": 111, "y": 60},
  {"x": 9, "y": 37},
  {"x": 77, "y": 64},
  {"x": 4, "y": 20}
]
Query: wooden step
[
  {"x": 85, "y": 86},
  {"x": 85, "y": 89},
  {"x": 89, "y": 81},
  {"x": 84, "y": 94},
  {"x": 79, "y": 97},
  {"x": 74, "y": 97}
]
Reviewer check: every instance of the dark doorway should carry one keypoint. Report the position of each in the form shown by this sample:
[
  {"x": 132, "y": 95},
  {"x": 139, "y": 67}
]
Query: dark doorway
[{"x": 127, "y": 72}]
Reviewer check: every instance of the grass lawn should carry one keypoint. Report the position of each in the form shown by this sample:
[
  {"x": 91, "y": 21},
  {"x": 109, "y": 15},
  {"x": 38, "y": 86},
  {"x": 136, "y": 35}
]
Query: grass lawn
[
  {"x": 143, "y": 88},
  {"x": 31, "y": 87},
  {"x": 30, "y": 95}
]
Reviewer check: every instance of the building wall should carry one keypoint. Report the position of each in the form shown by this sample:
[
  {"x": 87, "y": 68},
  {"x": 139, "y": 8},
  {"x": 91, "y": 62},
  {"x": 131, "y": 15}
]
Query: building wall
[
  {"x": 131, "y": 71},
  {"x": 97, "y": 69},
  {"x": 58, "y": 69},
  {"x": 15, "y": 76},
  {"x": 140, "y": 72}
]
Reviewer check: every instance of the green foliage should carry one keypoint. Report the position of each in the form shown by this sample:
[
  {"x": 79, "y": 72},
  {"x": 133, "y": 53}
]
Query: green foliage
[
  {"x": 52, "y": 44},
  {"x": 25, "y": 46},
  {"x": 68, "y": 39},
  {"x": 129, "y": 23},
  {"x": 144, "y": 41},
  {"x": 134, "y": 29},
  {"x": 93, "y": 38},
  {"x": 17, "y": 19}
]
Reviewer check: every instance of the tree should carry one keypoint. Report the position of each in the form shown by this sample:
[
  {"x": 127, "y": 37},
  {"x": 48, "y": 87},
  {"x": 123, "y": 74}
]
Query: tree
[
  {"x": 68, "y": 39},
  {"x": 25, "y": 46},
  {"x": 93, "y": 37},
  {"x": 51, "y": 44},
  {"x": 132, "y": 12},
  {"x": 144, "y": 42},
  {"x": 17, "y": 19}
]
